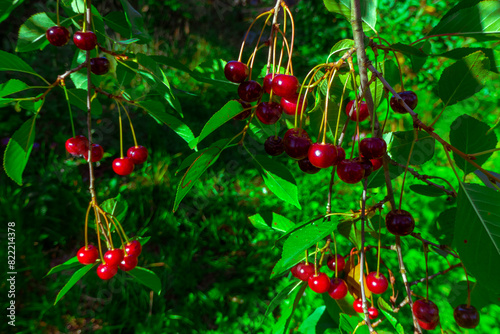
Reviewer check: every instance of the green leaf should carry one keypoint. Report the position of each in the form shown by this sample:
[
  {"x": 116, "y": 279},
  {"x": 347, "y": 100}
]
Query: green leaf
[
  {"x": 18, "y": 151},
  {"x": 423, "y": 149},
  {"x": 32, "y": 33},
  {"x": 12, "y": 86},
  {"x": 11, "y": 62},
  {"x": 125, "y": 74},
  {"x": 427, "y": 190},
  {"x": 280, "y": 297},
  {"x": 459, "y": 53},
  {"x": 271, "y": 221},
  {"x": 118, "y": 22},
  {"x": 6, "y": 7},
  {"x": 78, "y": 98},
  {"x": 72, "y": 281},
  {"x": 343, "y": 7},
  {"x": 116, "y": 206},
  {"x": 487, "y": 182},
  {"x": 349, "y": 323},
  {"x": 287, "y": 312},
  {"x": 464, "y": 78},
  {"x": 147, "y": 278},
  {"x": 315, "y": 323},
  {"x": 480, "y": 296},
  {"x": 377, "y": 178},
  {"x": 70, "y": 264},
  {"x": 443, "y": 228},
  {"x": 135, "y": 21},
  {"x": 279, "y": 179},
  {"x": 340, "y": 46},
  {"x": 386, "y": 310},
  {"x": 408, "y": 50},
  {"x": 477, "y": 233}
]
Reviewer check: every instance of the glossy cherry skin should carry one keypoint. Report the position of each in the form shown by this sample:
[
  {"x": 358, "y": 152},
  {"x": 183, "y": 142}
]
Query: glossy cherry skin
[
  {"x": 88, "y": 255},
  {"x": 57, "y": 36},
  {"x": 358, "y": 305},
  {"x": 290, "y": 104},
  {"x": 77, "y": 145},
  {"x": 425, "y": 311},
  {"x": 99, "y": 66},
  {"x": 340, "y": 263},
  {"x": 106, "y": 271},
  {"x": 138, "y": 154},
  {"x": 268, "y": 83},
  {"x": 376, "y": 163},
  {"x": 250, "y": 91},
  {"x": 304, "y": 271},
  {"x": 133, "y": 248},
  {"x": 366, "y": 164},
  {"x": 320, "y": 283},
  {"x": 274, "y": 146},
  {"x": 247, "y": 110},
  {"x": 128, "y": 263},
  {"x": 322, "y": 155},
  {"x": 399, "y": 222},
  {"x": 85, "y": 40},
  {"x": 376, "y": 284},
  {"x": 113, "y": 257},
  {"x": 285, "y": 85},
  {"x": 338, "y": 288},
  {"x": 97, "y": 153},
  {"x": 307, "y": 167},
  {"x": 340, "y": 155},
  {"x": 269, "y": 112},
  {"x": 372, "y": 313},
  {"x": 236, "y": 71},
  {"x": 372, "y": 148},
  {"x": 123, "y": 166},
  {"x": 296, "y": 142},
  {"x": 293, "y": 270},
  {"x": 363, "y": 110},
  {"x": 350, "y": 171},
  {"x": 410, "y": 99},
  {"x": 466, "y": 317},
  {"x": 428, "y": 326}
]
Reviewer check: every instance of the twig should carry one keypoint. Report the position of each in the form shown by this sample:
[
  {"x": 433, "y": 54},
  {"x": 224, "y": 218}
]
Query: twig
[
  {"x": 441, "y": 247},
  {"x": 60, "y": 79},
  {"x": 112, "y": 96},
  {"x": 442, "y": 272}
]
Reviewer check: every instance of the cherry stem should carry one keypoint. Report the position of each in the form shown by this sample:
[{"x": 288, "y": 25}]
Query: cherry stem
[
  {"x": 130, "y": 121},
  {"x": 397, "y": 61},
  {"x": 307, "y": 257},
  {"x": 86, "y": 225},
  {"x": 485, "y": 152},
  {"x": 69, "y": 108},
  {"x": 415, "y": 137},
  {"x": 340, "y": 110},
  {"x": 311, "y": 75},
  {"x": 248, "y": 31},
  {"x": 426, "y": 250},
  {"x": 257, "y": 46},
  {"x": 379, "y": 243},
  {"x": 57, "y": 12},
  {"x": 290, "y": 51},
  {"x": 386, "y": 115},
  {"x": 336, "y": 261},
  {"x": 327, "y": 98},
  {"x": 272, "y": 37},
  {"x": 315, "y": 260},
  {"x": 121, "y": 131}
]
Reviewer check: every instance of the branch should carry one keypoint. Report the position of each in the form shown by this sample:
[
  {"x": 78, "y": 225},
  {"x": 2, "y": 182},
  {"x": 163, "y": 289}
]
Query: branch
[
  {"x": 442, "y": 272},
  {"x": 441, "y": 247},
  {"x": 60, "y": 79}
]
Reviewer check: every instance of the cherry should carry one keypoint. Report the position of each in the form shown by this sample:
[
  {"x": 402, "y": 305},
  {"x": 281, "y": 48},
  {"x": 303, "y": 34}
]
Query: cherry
[
  {"x": 307, "y": 167},
  {"x": 123, "y": 166},
  {"x": 269, "y": 112},
  {"x": 322, "y": 155},
  {"x": 376, "y": 163},
  {"x": 358, "y": 305},
  {"x": 268, "y": 83},
  {"x": 250, "y": 91},
  {"x": 363, "y": 114},
  {"x": 304, "y": 271},
  {"x": 372, "y": 148},
  {"x": 77, "y": 145},
  {"x": 57, "y": 35},
  {"x": 138, "y": 154},
  {"x": 294, "y": 270},
  {"x": 428, "y": 326},
  {"x": 97, "y": 153},
  {"x": 425, "y": 311},
  {"x": 366, "y": 164},
  {"x": 376, "y": 284},
  {"x": 340, "y": 155},
  {"x": 99, "y": 66},
  {"x": 410, "y": 99},
  {"x": 285, "y": 85},
  {"x": 350, "y": 171},
  {"x": 466, "y": 316},
  {"x": 87, "y": 255},
  {"x": 372, "y": 313},
  {"x": 236, "y": 71},
  {"x": 246, "y": 111},
  {"x": 106, "y": 271},
  {"x": 128, "y": 263},
  {"x": 113, "y": 257},
  {"x": 290, "y": 104},
  {"x": 85, "y": 40},
  {"x": 399, "y": 222},
  {"x": 133, "y": 248},
  {"x": 340, "y": 262},
  {"x": 319, "y": 283},
  {"x": 296, "y": 142},
  {"x": 274, "y": 146},
  {"x": 338, "y": 288}
]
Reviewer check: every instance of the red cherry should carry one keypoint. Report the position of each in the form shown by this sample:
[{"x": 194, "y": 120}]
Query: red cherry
[
  {"x": 376, "y": 284},
  {"x": 320, "y": 283},
  {"x": 366, "y": 164},
  {"x": 133, "y": 248},
  {"x": 113, "y": 257},
  {"x": 410, "y": 99},
  {"x": 304, "y": 271},
  {"x": 294, "y": 270},
  {"x": 138, "y": 154},
  {"x": 338, "y": 288},
  {"x": 290, "y": 104},
  {"x": 307, "y": 167},
  {"x": 57, "y": 35},
  {"x": 274, "y": 146},
  {"x": 428, "y": 326},
  {"x": 296, "y": 142},
  {"x": 77, "y": 145},
  {"x": 97, "y": 153},
  {"x": 236, "y": 71},
  {"x": 285, "y": 85},
  {"x": 340, "y": 262},
  {"x": 99, "y": 66},
  {"x": 425, "y": 311},
  {"x": 85, "y": 40},
  {"x": 123, "y": 166},
  {"x": 340, "y": 155},
  {"x": 250, "y": 91},
  {"x": 399, "y": 222},
  {"x": 363, "y": 114},
  {"x": 372, "y": 313},
  {"x": 246, "y": 111},
  {"x": 269, "y": 112},
  {"x": 350, "y": 171},
  {"x": 466, "y": 316},
  {"x": 268, "y": 83},
  {"x": 128, "y": 263},
  {"x": 106, "y": 271},
  {"x": 376, "y": 163},
  {"x": 322, "y": 155},
  {"x": 87, "y": 255},
  {"x": 358, "y": 305},
  {"x": 373, "y": 148}
]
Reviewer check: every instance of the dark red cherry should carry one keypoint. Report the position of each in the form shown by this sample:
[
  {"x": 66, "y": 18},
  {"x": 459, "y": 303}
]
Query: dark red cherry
[
  {"x": 106, "y": 271},
  {"x": 290, "y": 104},
  {"x": 128, "y": 263},
  {"x": 428, "y": 326},
  {"x": 340, "y": 263},
  {"x": 372, "y": 313},
  {"x": 57, "y": 35},
  {"x": 307, "y": 167},
  {"x": 322, "y": 155},
  {"x": 294, "y": 270},
  {"x": 399, "y": 222},
  {"x": 269, "y": 112},
  {"x": 372, "y": 148},
  {"x": 274, "y": 146},
  {"x": 304, "y": 271},
  {"x": 236, "y": 71},
  {"x": 113, "y": 257},
  {"x": 366, "y": 164},
  {"x": 97, "y": 153},
  {"x": 99, "y": 66},
  {"x": 319, "y": 283},
  {"x": 466, "y": 316},
  {"x": 358, "y": 305},
  {"x": 77, "y": 145},
  {"x": 350, "y": 171},
  {"x": 87, "y": 255},
  {"x": 250, "y": 91},
  {"x": 123, "y": 166},
  {"x": 376, "y": 163},
  {"x": 247, "y": 110},
  {"x": 268, "y": 83},
  {"x": 296, "y": 142},
  {"x": 138, "y": 154},
  {"x": 85, "y": 40},
  {"x": 425, "y": 311},
  {"x": 340, "y": 155},
  {"x": 376, "y": 284},
  {"x": 133, "y": 248},
  {"x": 285, "y": 85},
  {"x": 338, "y": 288},
  {"x": 410, "y": 99},
  {"x": 363, "y": 110}
]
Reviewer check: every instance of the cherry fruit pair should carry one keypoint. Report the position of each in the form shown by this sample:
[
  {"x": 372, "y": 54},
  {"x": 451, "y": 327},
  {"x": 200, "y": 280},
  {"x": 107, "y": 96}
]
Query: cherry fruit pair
[
  {"x": 79, "y": 146},
  {"x": 59, "y": 36},
  {"x": 135, "y": 155}
]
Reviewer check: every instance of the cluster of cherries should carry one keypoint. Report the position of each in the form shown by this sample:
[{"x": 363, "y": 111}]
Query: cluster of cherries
[{"x": 124, "y": 258}]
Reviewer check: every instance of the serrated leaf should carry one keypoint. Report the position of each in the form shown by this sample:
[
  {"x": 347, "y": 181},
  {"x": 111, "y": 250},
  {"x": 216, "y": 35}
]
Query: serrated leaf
[
  {"x": 271, "y": 221},
  {"x": 18, "y": 151},
  {"x": 377, "y": 178},
  {"x": 423, "y": 150},
  {"x": 135, "y": 21},
  {"x": 116, "y": 206},
  {"x": 11, "y": 62},
  {"x": 73, "y": 280},
  {"x": 12, "y": 86},
  {"x": 280, "y": 297},
  {"x": 459, "y": 53},
  {"x": 311, "y": 324},
  {"x": 78, "y": 98},
  {"x": 386, "y": 310},
  {"x": 6, "y": 8},
  {"x": 118, "y": 22},
  {"x": 287, "y": 314},
  {"x": 348, "y": 324},
  {"x": 71, "y": 263},
  {"x": 427, "y": 190},
  {"x": 147, "y": 278},
  {"x": 343, "y": 45},
  {"x": 343, "y": 7},
  {"x": 32, "y": 33},
  {"x": 480, "y": 296}
]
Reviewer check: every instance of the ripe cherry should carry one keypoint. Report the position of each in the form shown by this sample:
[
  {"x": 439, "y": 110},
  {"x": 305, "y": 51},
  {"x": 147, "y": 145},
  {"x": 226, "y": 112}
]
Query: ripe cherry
[
  {"x": 376, "y": 284},
  {"x": 246, "y": 111},
  {"x": 99, "y": 66},
  {"x": 340, "y": 263},
  {"x": 428, "y": 326},
  {"x": 322, "y": 155},
  {"x": 123, "y": 166},
  {"x": 236, "y": 71},
  {"x": 133, "y": 248},
  {"x": 319, "y": 283},
  {"x": 350, "y": 171},
  {"x": 366, "y": 164},
  {"x": 57, "y": 35},
  {"x": 307, "y": 167},
  {"x": 87, "y": 255},
  {"x": 340, "y": 155},
  {"x": 77, "y": 145},
  {"x": 338, "y": 288},
  {"x": 466, "y": 316},
  {"x": 425, "y": 311},
  {"x": 268, "y": 83},
  {"x": 358, "y": 305},
  {"x": 128, "y": 263},
  {"x": 363, "y": 114},
  {"x": 304, "y": 271},
  {"x": 373, "y": 148},
  {"x": 138, "y": 154},
  {"x": 274, "y": 146},
  {"x": 250, "y": 91},
  {"x": 399, "y": 222},
  {"x": 410, "y": 99},
  {"x": 372, "y": 313},
  {"x": 376, "y": 163},
  {"x": 113, "y": 257},
  {"x": 269, "y": 112},
  {"x": 293, "y": 270},
  {"x": 285, "y": 85},
  {"x": 85, "y": 40},
  {"x": 296, "y": 142},
  {"x": 290, "y": 104},
  {"x": 106, "y": 271},
  {"x": 97, "y": 153}
]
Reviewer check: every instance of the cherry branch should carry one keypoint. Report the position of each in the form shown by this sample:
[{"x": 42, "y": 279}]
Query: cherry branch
[
  {"x": 60, "y": 79},
  {"x": 441, "y": 247},
  {"x": 442, "y": 272}
]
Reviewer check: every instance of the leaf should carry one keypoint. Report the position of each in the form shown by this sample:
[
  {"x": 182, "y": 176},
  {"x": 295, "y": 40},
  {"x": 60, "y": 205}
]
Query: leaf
[
  {"x": 78, "y": 98},
  {"x": 32, "y": 33},
  {"x": 377, "y": 178},
  {"x": 72, "y": 281},
  {"x": 385, "y": 308},
  {"x": 353, "y": 280},
  {"x": 116, "y": 206},
  {"x": 464, "y": 78},
  {"x": 147, "y": 278},
  {"x": 280, "y": 297},
  {"x": 271, "y": 221},
  {"x": 309, "y": 326},
  {"x": 459, "y": 53},
  {"x": 18, "y": 151},
  {"x": 118, "y": 22},
  {"x": 470, "y": 135},
  {"x": 279, "y": 180},
  {"x": 12, "y": 86},
  {"x": 135, "y": 21},
  {"x": 6, "y": 7},
  {"x": 287, "y": 315},
  {"x": 443, "y": 228},
  {"x": 408, "y": 50},
  {"x": 423, "y": 150},
  {"x": 11, "y": 62},
  {"x": 343, "y": 45},
  {"x": 71, "y": 263},
  {"x": 348, "y": 324},
  {"x": 427, "y": 190},
  {"x": 343, "y": 7},
  {"x": 480, "y": 296},
  {"x": 485, "y": 178},
  {"x": 477, "y": 233}
]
